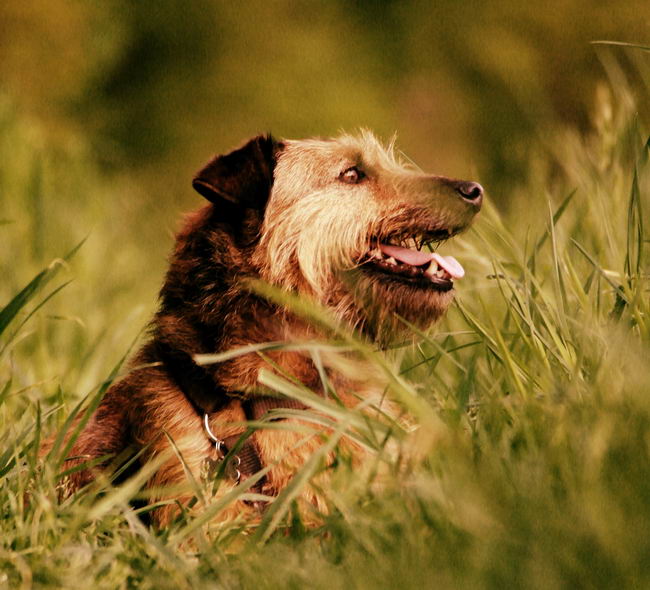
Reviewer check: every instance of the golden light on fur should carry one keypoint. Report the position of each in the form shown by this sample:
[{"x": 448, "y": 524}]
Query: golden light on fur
[
  {"x": 340, "y": 220},
  {"x": 316, "y": 228}
]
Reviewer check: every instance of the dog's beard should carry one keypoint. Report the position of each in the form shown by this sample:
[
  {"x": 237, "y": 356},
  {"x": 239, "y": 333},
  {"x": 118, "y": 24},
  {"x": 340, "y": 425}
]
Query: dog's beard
[
  {"x": 303, "y": 247},
  {"x": 386, "y": 309}
]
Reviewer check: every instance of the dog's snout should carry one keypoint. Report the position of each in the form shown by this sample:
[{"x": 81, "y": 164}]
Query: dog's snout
[{"x": 470, "y": 191}]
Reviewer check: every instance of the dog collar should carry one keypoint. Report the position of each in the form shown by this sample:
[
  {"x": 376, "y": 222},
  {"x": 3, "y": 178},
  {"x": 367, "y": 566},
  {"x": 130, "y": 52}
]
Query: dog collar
[{"x": 242, "y": 457}]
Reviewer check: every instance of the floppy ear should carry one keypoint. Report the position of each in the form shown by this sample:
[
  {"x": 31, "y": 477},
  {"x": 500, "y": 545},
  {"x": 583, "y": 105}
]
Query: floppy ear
[{"x": 243, "y": 177}]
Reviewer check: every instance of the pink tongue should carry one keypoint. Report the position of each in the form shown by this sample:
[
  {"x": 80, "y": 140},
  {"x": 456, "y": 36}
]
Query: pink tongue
[
  {"x": 412, "y": 257},
  {"x": 418, "y": 258}
]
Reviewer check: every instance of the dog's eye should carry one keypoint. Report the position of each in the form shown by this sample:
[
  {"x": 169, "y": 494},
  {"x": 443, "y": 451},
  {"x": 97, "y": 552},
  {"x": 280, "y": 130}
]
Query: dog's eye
[{"x": 352, "y": 175}]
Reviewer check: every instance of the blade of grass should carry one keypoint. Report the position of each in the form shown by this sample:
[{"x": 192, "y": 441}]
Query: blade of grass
[
  {"x": 621, "y": 44},
  {"x": 554, "y": 220},
  {"x": 279, "y": 508},
  {"x": 9, "y": 311},
  {"x": 30, "y": 314}
]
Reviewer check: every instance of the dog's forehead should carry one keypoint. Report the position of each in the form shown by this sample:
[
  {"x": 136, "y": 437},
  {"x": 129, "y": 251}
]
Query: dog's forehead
[
  {"x": 332, "y": 149},
  {"x": 363, "y": 148}
]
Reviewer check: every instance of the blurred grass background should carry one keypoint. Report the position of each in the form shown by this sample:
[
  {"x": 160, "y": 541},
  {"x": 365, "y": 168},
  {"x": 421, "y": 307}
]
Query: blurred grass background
[
  {"x": 106, "y": 111},
  {"x": 156, "y": 87}
]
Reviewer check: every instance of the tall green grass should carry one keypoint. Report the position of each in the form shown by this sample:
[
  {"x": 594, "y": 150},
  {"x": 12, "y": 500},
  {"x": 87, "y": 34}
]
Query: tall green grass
[{"x": 523, "y": 460}]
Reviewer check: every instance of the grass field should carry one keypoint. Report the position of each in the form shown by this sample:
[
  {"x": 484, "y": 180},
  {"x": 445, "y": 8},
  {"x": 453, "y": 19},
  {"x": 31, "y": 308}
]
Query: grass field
[{"x": 527, "y": 459}]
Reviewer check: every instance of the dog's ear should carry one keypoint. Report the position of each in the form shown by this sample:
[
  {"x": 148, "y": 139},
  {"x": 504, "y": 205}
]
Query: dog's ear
[{"x": 243, "y": 177}]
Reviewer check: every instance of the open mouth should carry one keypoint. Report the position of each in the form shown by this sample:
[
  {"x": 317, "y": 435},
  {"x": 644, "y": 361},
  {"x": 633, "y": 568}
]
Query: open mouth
[{"x": 413, "y": 260}]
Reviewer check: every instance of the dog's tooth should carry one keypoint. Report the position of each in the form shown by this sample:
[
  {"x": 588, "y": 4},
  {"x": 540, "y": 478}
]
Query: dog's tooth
[
  {"x": 391, "y": 261},
  {"x": 431, "y": 269}
]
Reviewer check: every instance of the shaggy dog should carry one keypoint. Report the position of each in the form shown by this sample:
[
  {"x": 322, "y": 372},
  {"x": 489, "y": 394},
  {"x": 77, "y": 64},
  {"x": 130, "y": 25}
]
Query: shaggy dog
[{"x": 341, "y": 221}]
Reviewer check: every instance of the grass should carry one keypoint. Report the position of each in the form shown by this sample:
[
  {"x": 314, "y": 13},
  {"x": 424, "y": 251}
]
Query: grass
[{"x": 526, "y": 460}]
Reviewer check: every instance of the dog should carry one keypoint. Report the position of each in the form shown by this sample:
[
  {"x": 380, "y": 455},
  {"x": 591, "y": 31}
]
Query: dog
[{"x": 342, "y": 222}]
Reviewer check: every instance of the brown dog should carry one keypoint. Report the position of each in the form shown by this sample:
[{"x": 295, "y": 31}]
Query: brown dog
[{"x": 341, "y": 221}]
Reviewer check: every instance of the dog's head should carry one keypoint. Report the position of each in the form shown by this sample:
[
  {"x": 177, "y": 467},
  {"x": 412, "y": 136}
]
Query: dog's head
[{"x": 345, "y": 221}]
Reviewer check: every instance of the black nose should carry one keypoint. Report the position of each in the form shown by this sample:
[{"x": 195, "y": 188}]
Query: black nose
[{"x": 470, "y": 191}]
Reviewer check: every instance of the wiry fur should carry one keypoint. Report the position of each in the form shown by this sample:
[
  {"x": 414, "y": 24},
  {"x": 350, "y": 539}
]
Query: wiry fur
[{"x": 279, "y": 212}]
